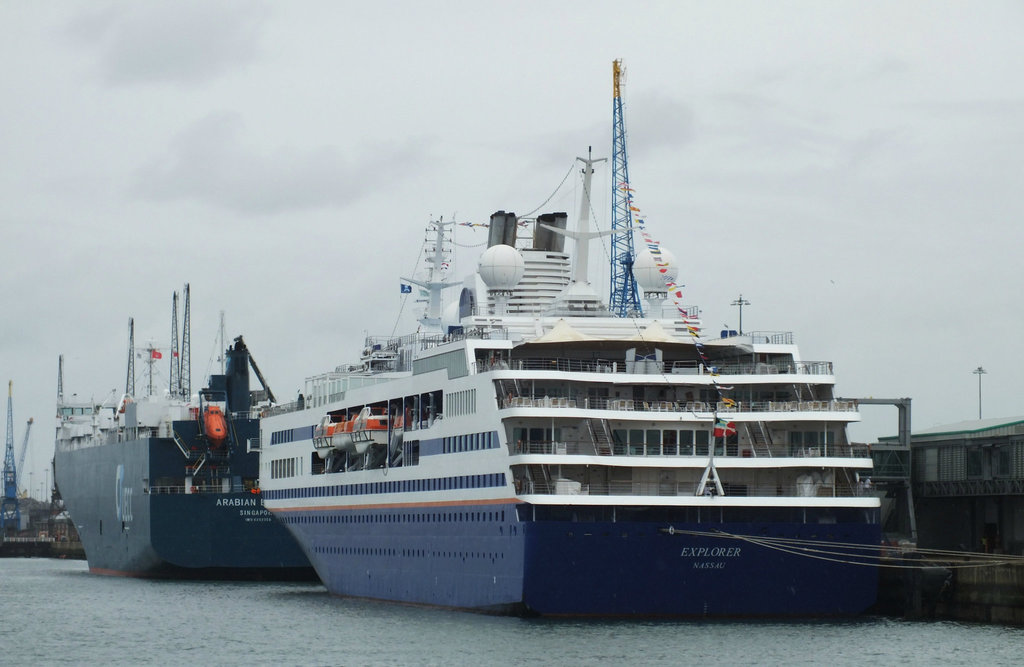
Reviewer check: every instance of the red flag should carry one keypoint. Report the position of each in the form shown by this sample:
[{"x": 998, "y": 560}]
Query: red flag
[
  {"x": 155, "y": 354},
  {"x": 723, "y": 429}
]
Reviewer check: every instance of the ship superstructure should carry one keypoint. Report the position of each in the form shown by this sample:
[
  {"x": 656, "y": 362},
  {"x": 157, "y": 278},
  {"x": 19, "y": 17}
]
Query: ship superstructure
[{"x": 535, "y": 454}]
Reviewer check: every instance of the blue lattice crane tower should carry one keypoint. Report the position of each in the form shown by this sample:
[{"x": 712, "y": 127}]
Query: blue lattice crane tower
[
  {"x": 624, "y": 300},
  {"x": 10, "y": 514}
]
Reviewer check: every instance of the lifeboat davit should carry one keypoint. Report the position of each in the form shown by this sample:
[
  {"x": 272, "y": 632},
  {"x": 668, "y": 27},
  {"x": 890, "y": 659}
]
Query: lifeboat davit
[{"x": 215, "y": 425}]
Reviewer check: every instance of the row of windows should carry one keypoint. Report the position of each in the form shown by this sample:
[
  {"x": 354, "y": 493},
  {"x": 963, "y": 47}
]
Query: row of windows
[
  {"x": 351, "y": 517},
  {"x": 458, "y": 403},
  {"x": 958, "y": 462},
  {"x": 393, "y": 486},
  {"x": 410, "y": 553},
  {"x": 469, "y": 442},
  {"x": 71, "y": 412},
  {"x": 291, "y": 435},
  {"x": 454, "y": 362},
  {"x": 280, "y": 468}
]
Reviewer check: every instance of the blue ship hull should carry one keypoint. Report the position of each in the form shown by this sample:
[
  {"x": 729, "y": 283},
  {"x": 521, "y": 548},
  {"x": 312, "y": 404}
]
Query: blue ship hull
[
  {"x": 130, "y": 526},
  {"x": 505, "y": 559}
]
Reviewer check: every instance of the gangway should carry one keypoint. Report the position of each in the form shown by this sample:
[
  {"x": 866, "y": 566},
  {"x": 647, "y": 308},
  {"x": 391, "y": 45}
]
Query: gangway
[{"x": 892, "y": 462}]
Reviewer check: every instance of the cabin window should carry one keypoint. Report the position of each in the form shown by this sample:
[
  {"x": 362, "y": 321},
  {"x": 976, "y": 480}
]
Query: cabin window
[
  {"x": 701, "y": 439},
  {"x": 636, "y": 441},
  {"x": 686, "y": 442},
  {"x": 653, "y": 442},
  {"x": 668, "y": 443}
]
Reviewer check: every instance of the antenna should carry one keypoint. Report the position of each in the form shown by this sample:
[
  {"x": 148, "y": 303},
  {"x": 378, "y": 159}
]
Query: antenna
[{"x": 60, "y": 379}]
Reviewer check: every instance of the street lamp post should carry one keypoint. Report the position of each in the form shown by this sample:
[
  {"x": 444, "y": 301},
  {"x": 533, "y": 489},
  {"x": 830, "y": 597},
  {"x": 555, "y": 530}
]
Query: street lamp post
[{"x": 979, "y": 371}]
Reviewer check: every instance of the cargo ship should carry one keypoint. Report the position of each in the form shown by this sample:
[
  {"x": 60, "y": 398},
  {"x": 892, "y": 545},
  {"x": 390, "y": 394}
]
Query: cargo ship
[
  {"x": 166, "y": 486},
  {"x": 528, "y": 451}
]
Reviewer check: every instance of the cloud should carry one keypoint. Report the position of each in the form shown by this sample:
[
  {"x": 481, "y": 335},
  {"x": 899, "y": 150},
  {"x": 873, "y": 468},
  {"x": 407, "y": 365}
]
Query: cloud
[
  {"x": 180, "y": 42},
  {"x": 208, "y": 162},
  {"x": 660, "y": 123}
]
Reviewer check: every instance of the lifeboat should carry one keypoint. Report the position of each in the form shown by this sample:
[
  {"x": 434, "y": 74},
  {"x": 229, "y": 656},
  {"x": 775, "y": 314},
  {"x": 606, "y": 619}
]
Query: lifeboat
[
  {"x": 353, "y": 435},
  {"x": 215, "y": 425}
]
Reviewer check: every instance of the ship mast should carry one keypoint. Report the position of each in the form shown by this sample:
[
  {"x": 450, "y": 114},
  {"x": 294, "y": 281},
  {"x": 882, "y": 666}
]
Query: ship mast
[
  {"x": 579, "y": 295},
  {"x": 435, "y": 282},
  {"x": 222, "y": 357}
]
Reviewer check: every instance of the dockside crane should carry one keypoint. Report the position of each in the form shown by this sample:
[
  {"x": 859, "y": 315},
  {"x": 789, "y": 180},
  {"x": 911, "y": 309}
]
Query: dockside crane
[
  {"x": 624, "y": 300},
  {"x": 10, "y": 513},
  {"x": 21, "y": 456}
]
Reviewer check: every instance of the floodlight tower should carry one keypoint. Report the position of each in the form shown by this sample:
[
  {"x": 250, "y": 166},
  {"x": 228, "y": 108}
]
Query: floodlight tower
[
  {"x": 625, "y": 299},
  {"x": 10, "y": 514}
]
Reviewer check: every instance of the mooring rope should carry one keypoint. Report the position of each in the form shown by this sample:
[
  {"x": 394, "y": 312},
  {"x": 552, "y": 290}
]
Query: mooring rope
[{"x": 874, "y": 555}]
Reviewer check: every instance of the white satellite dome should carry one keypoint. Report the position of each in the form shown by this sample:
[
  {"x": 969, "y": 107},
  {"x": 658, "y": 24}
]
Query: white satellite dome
[
  {"x": 649, "y": 275},
  {"x": 501, "y": 267}
]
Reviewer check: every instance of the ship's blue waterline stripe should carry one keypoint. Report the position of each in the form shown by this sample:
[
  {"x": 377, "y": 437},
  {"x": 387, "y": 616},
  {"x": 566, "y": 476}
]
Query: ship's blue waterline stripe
[{"x": 484, "y": 481}]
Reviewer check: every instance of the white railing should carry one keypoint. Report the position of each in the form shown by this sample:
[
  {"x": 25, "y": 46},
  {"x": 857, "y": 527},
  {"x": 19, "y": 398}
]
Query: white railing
[
  {"x": 589, "y": 403},
  {"x": 588, "y": 448},
  {"x": 792, "y": 490}
]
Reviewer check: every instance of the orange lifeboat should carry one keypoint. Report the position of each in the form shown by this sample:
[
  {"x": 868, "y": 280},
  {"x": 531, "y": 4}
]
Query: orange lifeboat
[
  {"x": 215, "y": 425},
  {"x": 376, "y": 420},
  {"x": 353, "y": 434}
]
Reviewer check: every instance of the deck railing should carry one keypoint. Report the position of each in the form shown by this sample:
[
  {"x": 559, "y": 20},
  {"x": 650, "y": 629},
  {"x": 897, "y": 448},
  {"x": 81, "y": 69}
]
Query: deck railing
[
  {"x": 197, "y": 489},
  {"x": 649, "y": 367},
  {"x": 589, "y": 448},
  {"x": 795, "y": 490},
  {"x": 592, "y": 403}
]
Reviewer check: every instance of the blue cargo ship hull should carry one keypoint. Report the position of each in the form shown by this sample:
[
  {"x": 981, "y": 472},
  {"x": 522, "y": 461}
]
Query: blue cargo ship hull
[
  {"x": 505, "y": 559},
  {"x": 131, "y": 525}
]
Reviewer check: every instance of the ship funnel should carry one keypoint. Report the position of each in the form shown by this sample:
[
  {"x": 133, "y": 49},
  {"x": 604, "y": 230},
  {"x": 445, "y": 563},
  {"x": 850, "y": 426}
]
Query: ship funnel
[
  {"x": 545, "y": 239},
  {"x": 502, "y": 230},
  {"x": 237, "y": 377}
]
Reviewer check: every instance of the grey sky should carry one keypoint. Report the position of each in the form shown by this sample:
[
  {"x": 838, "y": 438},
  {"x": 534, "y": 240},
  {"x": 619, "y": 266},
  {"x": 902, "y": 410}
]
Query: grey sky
[{"x": 853, "y": 168}]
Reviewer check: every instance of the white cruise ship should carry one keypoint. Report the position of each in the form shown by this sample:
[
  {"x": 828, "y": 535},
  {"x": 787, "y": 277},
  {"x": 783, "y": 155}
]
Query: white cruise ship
[{"x": 527, "y": 452}]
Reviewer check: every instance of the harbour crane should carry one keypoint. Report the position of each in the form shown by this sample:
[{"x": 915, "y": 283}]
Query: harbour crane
[
  {"x": 10, "y": 513},
  {"x": 624, "y": 300},
  {"x": 21, "y": 455}
]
